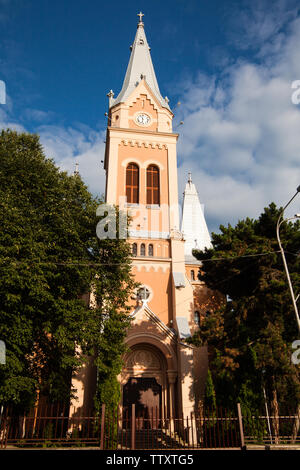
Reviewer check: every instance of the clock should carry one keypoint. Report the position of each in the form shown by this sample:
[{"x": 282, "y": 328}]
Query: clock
[{"x": 143, "y": 119}]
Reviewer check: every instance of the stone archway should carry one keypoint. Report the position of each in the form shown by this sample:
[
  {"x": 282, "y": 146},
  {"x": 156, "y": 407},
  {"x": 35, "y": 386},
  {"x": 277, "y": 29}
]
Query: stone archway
[{"x": 144, "y": 381}]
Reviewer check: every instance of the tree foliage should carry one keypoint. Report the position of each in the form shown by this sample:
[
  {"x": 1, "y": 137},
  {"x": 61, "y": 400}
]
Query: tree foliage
[
  {"x": 49, "y": 257},
  {"x": 252, "y": 330},
  {"x": 210, "y": 394}
]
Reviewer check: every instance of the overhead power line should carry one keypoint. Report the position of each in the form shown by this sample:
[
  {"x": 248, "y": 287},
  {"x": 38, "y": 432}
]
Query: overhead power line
[{"x": 92, "y": 263}]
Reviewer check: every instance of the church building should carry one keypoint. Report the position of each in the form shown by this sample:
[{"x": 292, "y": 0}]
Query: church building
[{"x": 160, "y": 370}]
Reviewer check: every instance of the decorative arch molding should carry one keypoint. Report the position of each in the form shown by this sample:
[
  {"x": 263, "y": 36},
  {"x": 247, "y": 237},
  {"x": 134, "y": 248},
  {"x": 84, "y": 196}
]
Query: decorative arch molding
[
  {"x": 153, "y": 162},
  {"x": 154, "y": 341},
  {"x": 126, "y": 162},
  {"x": 142, "y": 164},
  {"x": 144, "y": 357},
  {"x": 144, "y": 360}
]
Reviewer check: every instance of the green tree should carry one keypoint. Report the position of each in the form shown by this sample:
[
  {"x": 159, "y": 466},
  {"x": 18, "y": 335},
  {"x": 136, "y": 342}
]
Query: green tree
[
  {"x": 49, "y": 257},
  {"x": 254, "y": 327},
  {"x": 112, "y": 284},
  {"x": 210, "y": 394}
]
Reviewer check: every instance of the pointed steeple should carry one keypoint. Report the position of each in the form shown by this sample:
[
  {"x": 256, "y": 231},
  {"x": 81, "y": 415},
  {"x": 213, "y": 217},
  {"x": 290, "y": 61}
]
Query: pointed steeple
[
  {"x": 193, "y": 222},
  {"x": 139, "y": 67},
  {"x": 76, "y": 171}
]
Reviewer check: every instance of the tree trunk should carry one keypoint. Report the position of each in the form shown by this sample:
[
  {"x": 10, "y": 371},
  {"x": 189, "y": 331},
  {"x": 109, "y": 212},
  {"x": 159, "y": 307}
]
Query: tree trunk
[
  {"x": 200, "y": 418},
  {"x": 296, "y": 426},
  {"x": 275, "y": 415}
]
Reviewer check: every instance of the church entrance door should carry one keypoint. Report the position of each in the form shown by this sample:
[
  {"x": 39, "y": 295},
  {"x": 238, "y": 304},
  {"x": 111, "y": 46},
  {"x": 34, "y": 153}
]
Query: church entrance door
[{"x": 145, "y": 393}]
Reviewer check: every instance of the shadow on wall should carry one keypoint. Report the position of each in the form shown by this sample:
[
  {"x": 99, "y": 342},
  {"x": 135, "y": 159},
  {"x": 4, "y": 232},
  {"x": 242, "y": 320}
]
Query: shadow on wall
[{"x": 85, "y": 382}]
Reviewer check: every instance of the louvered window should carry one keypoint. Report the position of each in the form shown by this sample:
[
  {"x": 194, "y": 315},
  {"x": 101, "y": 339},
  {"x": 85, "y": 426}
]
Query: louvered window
[
  {"x": 132, "y": 183},
  {"x": 153, "y": 185}
]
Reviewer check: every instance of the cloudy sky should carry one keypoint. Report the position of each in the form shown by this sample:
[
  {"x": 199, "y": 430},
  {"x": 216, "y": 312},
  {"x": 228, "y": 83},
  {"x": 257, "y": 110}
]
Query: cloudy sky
[{"x": 231, "y": 64}]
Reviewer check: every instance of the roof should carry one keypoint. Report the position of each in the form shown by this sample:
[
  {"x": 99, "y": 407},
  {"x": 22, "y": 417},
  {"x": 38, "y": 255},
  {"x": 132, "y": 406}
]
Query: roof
[
  {"x": 193, "y": 225},
  {"x": 183, "y": 328},
  {"x": 178, "y": 279},
  {"x": 139, "y": 67}
]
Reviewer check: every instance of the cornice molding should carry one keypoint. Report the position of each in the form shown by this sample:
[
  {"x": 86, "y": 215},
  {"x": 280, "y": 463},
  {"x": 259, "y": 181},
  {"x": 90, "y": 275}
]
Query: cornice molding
[
  {"x": 146, "y": 144},
  {"x": 112, "y": 129}
]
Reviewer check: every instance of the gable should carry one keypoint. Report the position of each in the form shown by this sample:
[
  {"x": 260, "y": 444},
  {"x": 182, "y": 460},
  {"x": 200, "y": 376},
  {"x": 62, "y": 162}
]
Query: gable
[{"x": 144, "y": 321}]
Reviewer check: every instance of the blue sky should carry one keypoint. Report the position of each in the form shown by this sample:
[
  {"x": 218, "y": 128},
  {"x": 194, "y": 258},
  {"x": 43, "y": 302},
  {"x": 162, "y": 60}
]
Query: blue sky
[{"x": 231, "y": 64}]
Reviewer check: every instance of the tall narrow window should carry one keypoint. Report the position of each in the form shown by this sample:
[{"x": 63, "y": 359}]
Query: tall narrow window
[
  {"x": 143, "y": 249},
  {"x": 150, "y": 250},
  {"x": 134, "y": 249},
  {"x": 197, "y": 318},
  {"x": 132, "y": 183},
  {"x": 152, "y": 185},
  {"x": 192, "y": 275}
]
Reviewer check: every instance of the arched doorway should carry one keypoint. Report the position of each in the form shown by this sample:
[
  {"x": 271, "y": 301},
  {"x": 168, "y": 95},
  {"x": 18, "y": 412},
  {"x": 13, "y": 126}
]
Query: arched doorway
[{"x": 144, "y": 385}]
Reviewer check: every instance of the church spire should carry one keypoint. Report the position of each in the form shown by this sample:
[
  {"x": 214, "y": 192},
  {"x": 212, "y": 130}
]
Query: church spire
[
  {"x": 139, "y": 67},
  {"x": 193, "y": 221}
]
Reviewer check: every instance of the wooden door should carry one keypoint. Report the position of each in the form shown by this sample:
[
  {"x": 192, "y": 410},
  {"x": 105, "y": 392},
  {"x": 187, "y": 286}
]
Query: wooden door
[{"x": 145, "y": 393}]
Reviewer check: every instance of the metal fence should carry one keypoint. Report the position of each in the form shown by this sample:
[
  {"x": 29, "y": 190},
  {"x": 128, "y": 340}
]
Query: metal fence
[
  {"x": 211, "y": 429},
  {"x": 133, "y": 429},
  {"x": 283, "y": 429}
]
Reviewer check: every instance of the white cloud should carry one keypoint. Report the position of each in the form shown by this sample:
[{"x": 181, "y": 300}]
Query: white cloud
[
  {"x": 241, "y": 132},
  {"x": 38, "y": 115},
  {"x": 260, "y": 21},
  {"x": 71, "y": 145},
  {"x": 65, "y": 145},
  {"x": 6, "y": 119},
  {"x": 242, "y": 141}
]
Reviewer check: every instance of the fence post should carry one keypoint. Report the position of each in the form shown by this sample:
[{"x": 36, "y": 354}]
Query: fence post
[
  {"x": 102, "y": 427},
  {"x": 133, "y": 427},
  {"x": 241, "y": 425}
]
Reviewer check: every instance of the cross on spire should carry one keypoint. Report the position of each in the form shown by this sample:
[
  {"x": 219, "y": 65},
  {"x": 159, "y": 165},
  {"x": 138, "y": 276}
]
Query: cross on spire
[
  {"x": 190, "y": 177},
  {"x": 140, "y": 14}
]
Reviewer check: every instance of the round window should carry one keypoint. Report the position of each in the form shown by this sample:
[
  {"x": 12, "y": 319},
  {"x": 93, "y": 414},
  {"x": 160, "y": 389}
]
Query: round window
[{"x": 143, "y": 293}]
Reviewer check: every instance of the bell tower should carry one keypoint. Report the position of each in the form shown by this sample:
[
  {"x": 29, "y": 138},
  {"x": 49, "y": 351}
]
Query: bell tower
[
  {"x": 141, "y": 178},
  {"x": 139, "y": 135}
]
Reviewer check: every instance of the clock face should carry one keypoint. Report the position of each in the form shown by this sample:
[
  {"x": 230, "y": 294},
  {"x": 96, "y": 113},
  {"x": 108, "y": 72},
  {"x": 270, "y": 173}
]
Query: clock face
[{"x": 143, "y": 119}]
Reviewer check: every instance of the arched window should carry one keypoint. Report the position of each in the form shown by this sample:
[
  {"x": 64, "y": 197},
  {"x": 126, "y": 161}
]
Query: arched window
[
  {"x": 132, "y": 183},
  {"x": 150, "y": 250},
  {"x": 152, "y": 185},
  {"x": 192, "y": 275},
  {"x": 143, "y": 249},
  {"x": 134, "y": 249},
  {"x": 197, "y": 317}
]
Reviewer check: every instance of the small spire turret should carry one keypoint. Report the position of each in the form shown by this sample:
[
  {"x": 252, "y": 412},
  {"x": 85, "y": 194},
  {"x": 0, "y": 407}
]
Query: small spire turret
[
  {"x": 76, "y": 171},
  {"x": 193, "y": 221}
]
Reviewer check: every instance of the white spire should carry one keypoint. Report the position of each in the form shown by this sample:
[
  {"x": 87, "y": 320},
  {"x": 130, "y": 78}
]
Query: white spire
[
  {"x": 76, "y": 171},
  {"x": 193, "y": 225},
  {"x": 139, "y": 67}
]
